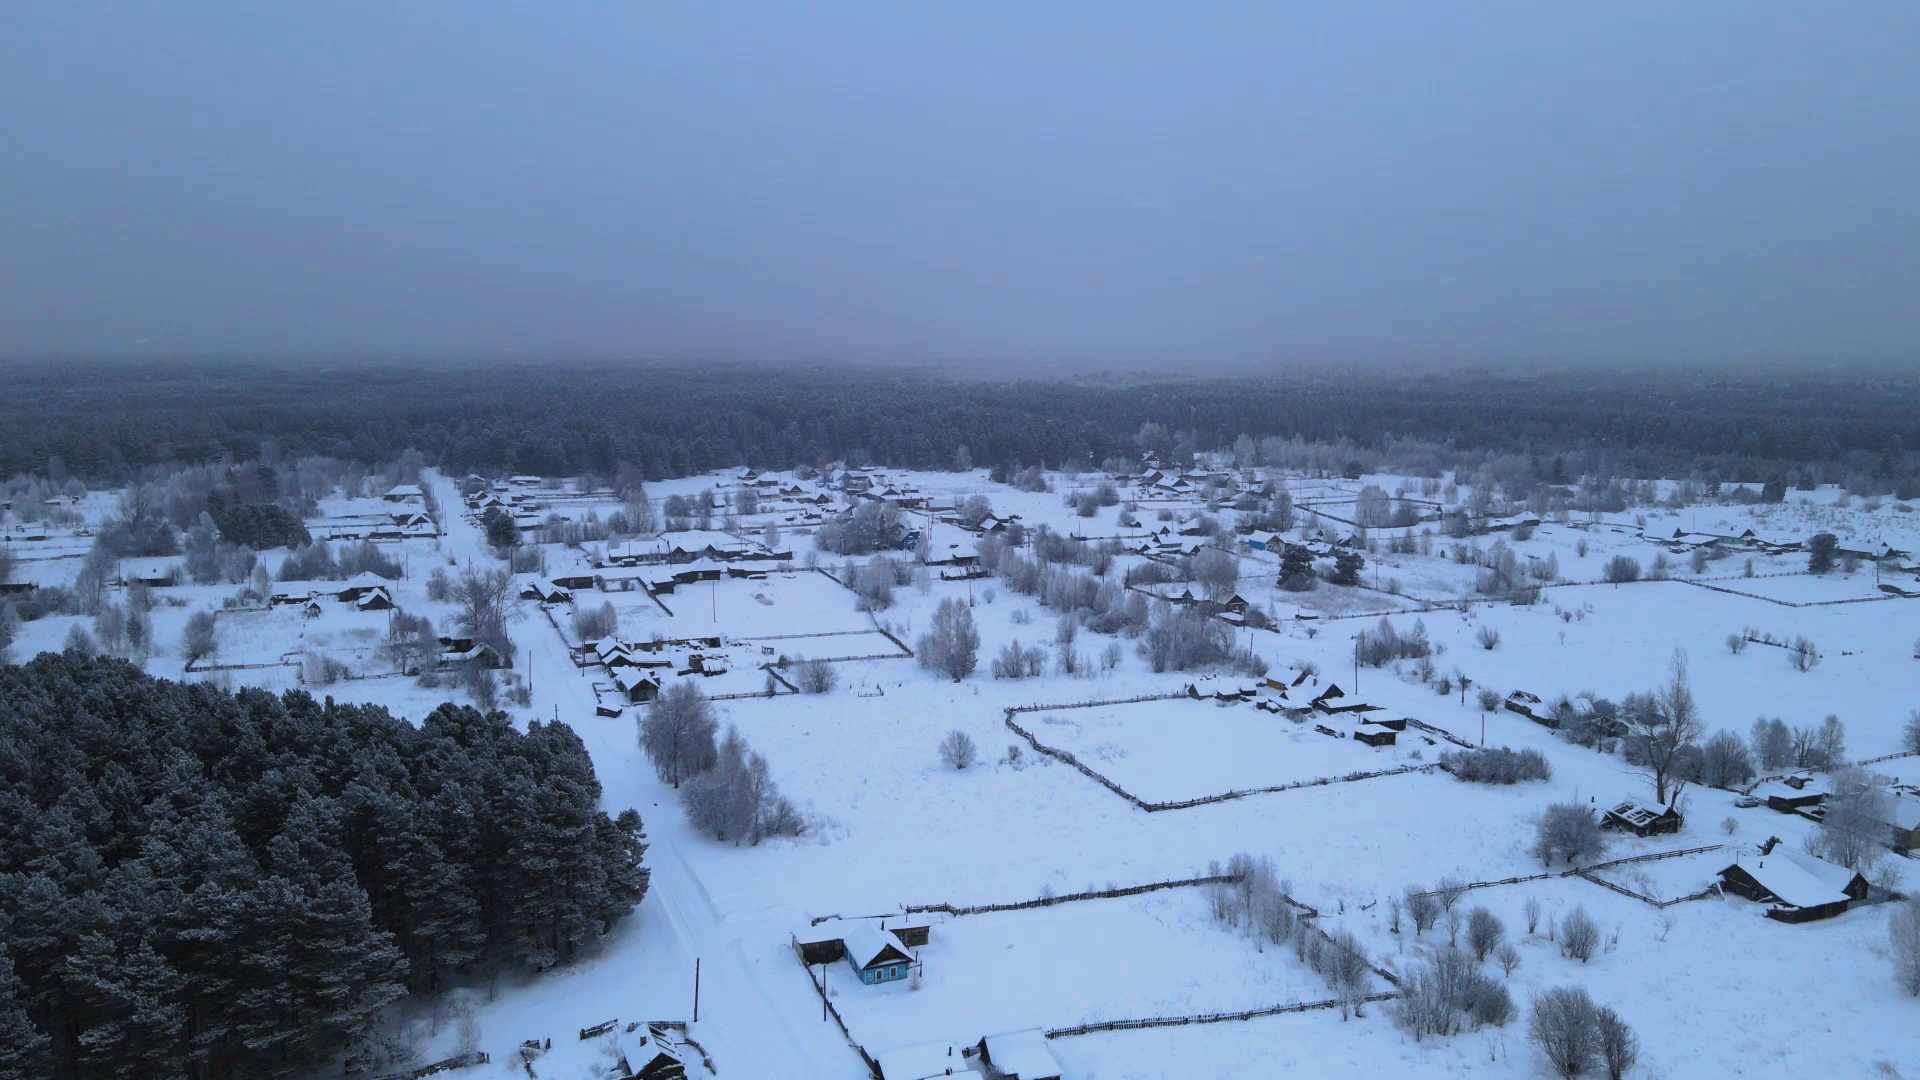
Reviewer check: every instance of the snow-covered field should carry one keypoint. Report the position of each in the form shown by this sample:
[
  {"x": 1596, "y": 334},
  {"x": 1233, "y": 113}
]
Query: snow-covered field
[
  {"x": 1711, "y": 986},
  {"x": 1164, "y": 751}
]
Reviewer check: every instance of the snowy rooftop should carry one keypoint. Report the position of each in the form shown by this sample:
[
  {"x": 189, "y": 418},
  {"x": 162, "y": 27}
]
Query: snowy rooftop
[
  {"x": 1785, "y": 874},
  {"x": 1023, "y": 1054},
  {"x": 921, "y": 1061}
]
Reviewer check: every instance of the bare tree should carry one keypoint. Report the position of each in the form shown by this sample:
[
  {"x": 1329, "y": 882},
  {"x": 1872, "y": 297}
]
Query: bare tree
[
  {"x": 1568, "y": 830},
  {"x": 1619, "y": 1050},
  {"x": 197, "y": 639},
  {"x": 483, "y": 603},
  {"x": 1662, "y": 727},
  {"x": 1484, "y": 932},
  {"x": 1563, "y": 1029},
  {"x": 1725, "y": 761},
  {"x": 1832, "y": 746},
  {"x": 1910, "y": 735},
  {"x": 1804, "y": 655},
  {"x": 817, "y": 676},
  {"x": 1903, "y": 936},
  {"x": 952, "y": 646},
  {"x": 1217, "y": 571},
  {"x": 677, "y": 733},
  {"x": 1450, "y": 890},
  {"x": 1423, "y": 908},
  {"x": 1851, "y": 831},
  {"x": 1508, "y": 957},
  {"x": 1532, "y": 911},
  {"x": 1772, "y": 743},
  {"x": 1579, "y": 935},
  {"x": 957, "y": 750}
]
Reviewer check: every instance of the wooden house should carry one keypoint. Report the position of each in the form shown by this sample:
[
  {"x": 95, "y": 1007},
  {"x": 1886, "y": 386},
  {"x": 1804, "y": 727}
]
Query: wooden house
[
  {"x": 1800, "y": 794},
  {"x": 638, "y": 684},
  {"x": 403, "y": 492},
  {"x": 546, "y": 592},
  {"x": 1903, "y": 822},
  {"x": 1799, "y": 887},
  {"x": 375, "y": 599},
  {"x": 572, "y": 580},
  {"x": 1019, "y": 1055},
  {"x": 1380, "y": 737},
  {"x": 1642, "y": 820},
  {"x": 875, "y": 954},
  {"x": 152, "y": 575},
  {"x": 360, "y": 585},
  {"x": 470, "y": 654}
]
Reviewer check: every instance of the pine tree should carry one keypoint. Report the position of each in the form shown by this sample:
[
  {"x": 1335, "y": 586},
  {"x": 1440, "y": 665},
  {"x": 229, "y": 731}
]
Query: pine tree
[{"x": 23, "y": 1046}]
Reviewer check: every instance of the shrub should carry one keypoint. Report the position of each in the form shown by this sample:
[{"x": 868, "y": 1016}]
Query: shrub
[
  {"x": 957, "y": 750},
  {"x": 816, "y": 676},
  {"x": 1621, "y": 569},
  {"x": 1488, "y": 637},
  {"x": 1496, "y": 765},
  {"x": 1579, "y": 935}
]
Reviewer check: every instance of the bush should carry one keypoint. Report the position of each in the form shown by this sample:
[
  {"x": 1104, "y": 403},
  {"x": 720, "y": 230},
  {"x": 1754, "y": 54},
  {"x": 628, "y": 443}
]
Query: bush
[
  {"x": 1488, "y": 637},
  {"x": 1568, "y": 830},
  {"x": 1621, "y": 569},
  {"x": 1496, "y": 765},
  {"x": 1579, "y": 935},
  {"x": 1804, "y": 655},
  {"x": 816, "y": 676},
  {"x": 1490, "y": 700},
  {"x": 957, "y": 750},
  {"x": 1564, "y": 1028},
  {"x": 1019, "y": 662},
  {"x": 1736, "y": 643},
  {"x": 1484, "y": 932}
]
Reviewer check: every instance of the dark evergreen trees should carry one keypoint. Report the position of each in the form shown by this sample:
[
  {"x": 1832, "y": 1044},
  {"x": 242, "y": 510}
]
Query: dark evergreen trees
[
  {"x": 1820, "y": 551},
  {"x": 196, "y": 883}
]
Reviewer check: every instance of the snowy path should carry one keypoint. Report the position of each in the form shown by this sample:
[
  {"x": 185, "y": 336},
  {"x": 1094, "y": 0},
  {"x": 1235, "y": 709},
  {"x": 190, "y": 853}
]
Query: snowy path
[{"x": 755, "y": 1014}]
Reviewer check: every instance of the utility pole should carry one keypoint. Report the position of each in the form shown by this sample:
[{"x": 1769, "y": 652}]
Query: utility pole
[{"x": 696, "y": 990}]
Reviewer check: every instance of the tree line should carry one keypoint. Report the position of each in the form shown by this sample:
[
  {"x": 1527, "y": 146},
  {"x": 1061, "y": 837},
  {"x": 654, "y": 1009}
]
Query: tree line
[
  {"x": 105, "y": 425},
  {"x": 211, "y": 884}
]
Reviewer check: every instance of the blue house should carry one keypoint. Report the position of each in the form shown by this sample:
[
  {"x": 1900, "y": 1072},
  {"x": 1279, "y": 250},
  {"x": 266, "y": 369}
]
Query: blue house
[{"x": 876, "y": 955}]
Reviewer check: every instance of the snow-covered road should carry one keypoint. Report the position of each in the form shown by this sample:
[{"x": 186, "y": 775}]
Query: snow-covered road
[{"x": 756, "y": 1013}]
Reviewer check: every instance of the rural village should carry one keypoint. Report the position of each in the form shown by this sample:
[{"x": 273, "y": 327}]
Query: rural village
[{"x": 1187, "y": 768}]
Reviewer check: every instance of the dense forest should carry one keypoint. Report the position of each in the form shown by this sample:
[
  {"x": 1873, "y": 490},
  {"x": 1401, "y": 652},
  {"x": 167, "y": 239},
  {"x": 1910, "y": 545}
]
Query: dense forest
[
  {"x": 204, "y": 884},
  {"x": 105, "y": 420}
]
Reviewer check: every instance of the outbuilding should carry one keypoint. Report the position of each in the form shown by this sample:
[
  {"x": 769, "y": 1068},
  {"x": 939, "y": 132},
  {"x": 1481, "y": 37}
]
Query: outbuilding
[
  {"x": 1019, "y": 1055},
  {"x": 1642, "y": 820}
]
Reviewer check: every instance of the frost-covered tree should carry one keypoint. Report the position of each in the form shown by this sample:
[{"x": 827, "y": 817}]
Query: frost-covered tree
[
  {"x": 1851, "y": 830},
  {"x": 1772, "y": 743},
  {"x": 1663, "y": 727},
  {"x": 1725, "y": 761},
  {"x": 677, "y": 732},
  {"x": 951, "y": 646},
  {"x": 1903, "y": 938},
  {"x": 1484, "y": 932},
  {"x": 1563, "y": 1028},
  {"x": 1910, "y": 735},
  {"x": 1579, "y": 935},
  {"x": 1569, "y": 831},
  {"x": 957, "y": 750},
  {"x": 1619, "y": 1049}
]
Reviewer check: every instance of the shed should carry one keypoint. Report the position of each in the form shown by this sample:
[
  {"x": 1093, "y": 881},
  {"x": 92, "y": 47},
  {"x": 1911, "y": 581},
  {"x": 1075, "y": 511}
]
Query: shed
[
  {"x": 1019, "y": 1055},
  {"x": 545, "y": 592},
  {"x": 820, "y": 944},
  {"x": 403, "y": 492},
  {"x": 1377, "y": 738},
  {"x": 1903, "y": 822},
  {"x": 1642, "y": 820},
  {"x": 152, "y": 575},
  {"x": 875, "y": 954},
  {"x": 374, "y": 600},
  {"x": 638, "y": 684}
]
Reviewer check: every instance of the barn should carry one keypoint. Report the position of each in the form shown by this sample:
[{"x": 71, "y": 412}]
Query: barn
[
  {"x": 1642, "y": 820},
  {"x": 1800, "y": 887},
  {"x": 638, "y": 684},
  {"x": 360, "y": 585}
]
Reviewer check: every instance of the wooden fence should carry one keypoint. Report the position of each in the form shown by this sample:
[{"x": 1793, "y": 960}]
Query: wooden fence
[
  {"x": 1210, "y": 1018},
  {"x": 1068, "y": 758},
  {"x": 1588, "y": 872},
  {"x": 1068, "y": 898},
  {"x": 460, "y": 1061},
  {"x": 1787, "y": 603}
]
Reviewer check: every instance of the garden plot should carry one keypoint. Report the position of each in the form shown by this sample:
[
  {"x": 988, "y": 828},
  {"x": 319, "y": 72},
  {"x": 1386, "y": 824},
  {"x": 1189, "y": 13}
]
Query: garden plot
[
  {"x": 1809, "y": 589},
  {"x": 1158, "y": 954},
  {"x": 1176, "y": 749},
  {"x": 838, "y": 645},
  {"x": 785, "y": 602}
]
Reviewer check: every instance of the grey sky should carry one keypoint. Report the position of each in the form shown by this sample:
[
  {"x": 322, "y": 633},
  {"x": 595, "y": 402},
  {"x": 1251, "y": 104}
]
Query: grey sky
[{"x": 1109, "y": 182}]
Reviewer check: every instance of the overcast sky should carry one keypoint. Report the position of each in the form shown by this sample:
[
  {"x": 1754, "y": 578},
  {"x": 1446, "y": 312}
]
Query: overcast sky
[{"x": 1107, "y": 182}]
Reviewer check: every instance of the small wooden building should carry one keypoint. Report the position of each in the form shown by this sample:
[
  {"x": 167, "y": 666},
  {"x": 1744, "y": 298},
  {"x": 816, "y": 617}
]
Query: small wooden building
[
  {"x": 360, "y": 585},
  {"x": 1642, "y": 820},
  {"x": 1800, "y": 887},
  {"x": 875, "y": 954},
  {"x": 638, "y": 684},
  {"x": 1380, "y": 737},
  {"x": 1019, "y": 1055}
]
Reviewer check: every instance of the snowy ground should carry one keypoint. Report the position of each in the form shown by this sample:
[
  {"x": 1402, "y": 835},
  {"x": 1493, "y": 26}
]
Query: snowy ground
[{"x": 1726, "y": 992}]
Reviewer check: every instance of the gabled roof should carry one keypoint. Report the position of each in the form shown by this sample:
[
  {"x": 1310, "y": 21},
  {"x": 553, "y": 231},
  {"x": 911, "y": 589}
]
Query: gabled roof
[
  {"x": 922, "y": 1061},
  {"x": 1903, "y": 811},
  {"x": 1784, "y": 873},
  {"x": 365, "y": 579},
  {"x": 868, "y": 945},
  {"x": 1022, "y": 1054},
  {"x": 1637, "y": 813}
]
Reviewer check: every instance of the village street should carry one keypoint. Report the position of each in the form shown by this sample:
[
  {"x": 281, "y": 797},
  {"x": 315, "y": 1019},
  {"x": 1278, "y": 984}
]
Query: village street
[{"x": 754, "y": 1010}]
